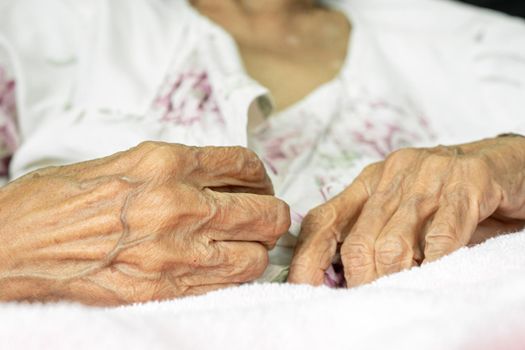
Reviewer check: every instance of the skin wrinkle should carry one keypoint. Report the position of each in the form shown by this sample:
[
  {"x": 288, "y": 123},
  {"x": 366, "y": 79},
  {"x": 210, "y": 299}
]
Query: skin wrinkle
[
  {"x": 393, "y": 255},
  {"x": 125, "y": 229},
  {"x": 94, "y": 282},
  {"x": 330, "y": 251},
  {"x": 392, "y": 252},
  {"x": 356, "y": 256},
  {"x": 95, "y": 266},
  {"x": 160, "y": 218},
  {"x": 449, "y": 197},
  {"x": 213, "y": 215},
  {"x": 448, "y": 234},
  {"x": 80, "y": 249},
  {"x": 138, "y": 241},
  {"x": 321, "y": 219},
  {"x": 232, "y": 230},
  {"x": 64, "y": 223},
  {"x": 233, "y": 271},
  {"x": 279, "y": 219},
  {"x": 394, "y": 248},
  {"x": 336, "y": 237},
  {"x": 174, "y": 281}
]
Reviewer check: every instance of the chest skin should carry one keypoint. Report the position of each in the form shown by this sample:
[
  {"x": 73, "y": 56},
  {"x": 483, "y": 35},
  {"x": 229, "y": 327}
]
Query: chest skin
[{"x": 291, "y": 54}]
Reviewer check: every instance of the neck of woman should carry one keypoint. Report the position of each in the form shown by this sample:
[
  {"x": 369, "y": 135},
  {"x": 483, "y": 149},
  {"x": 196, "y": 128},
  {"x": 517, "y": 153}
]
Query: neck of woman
[{"x": 257, "y": 7}]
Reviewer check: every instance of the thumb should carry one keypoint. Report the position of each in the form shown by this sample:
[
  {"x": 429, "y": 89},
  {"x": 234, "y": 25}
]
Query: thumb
[{"x": 322, "y": 229}]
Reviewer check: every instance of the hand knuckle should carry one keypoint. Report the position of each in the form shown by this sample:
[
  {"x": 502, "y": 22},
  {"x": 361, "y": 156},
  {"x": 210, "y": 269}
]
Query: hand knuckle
[
  {"x": 205, "y": 155},
  {"x": 160, "y": 159},
  {"x": 203, "y": 254},
  {"x": 402, "y": 155},
  {"x": 256, "y": 263},
  {"x": 147, "y": 145},
  {"x": 356, "y": 254},
  {"x": 392, "y": 252},
  {"x": 475, "y": 163},
  {"x": 376, "y": 205},
  {"x": 251, "y": 164},
  {"x": 325, "y": 212},
  {"x": 415, "y": 201},
  {"x": 210, "y": 213},
  {"x": 319, "y": 217},
  {"x": 442, "y": 238},
  {"x": 163, "y": 154},
  {"x": 371, "y": 169},
  {"x": 283, "y": 218},
  {"x": 238, "y": 159},
  {"x": 435, "y": 163},
  {"x": 246, "y": 153},
  {"x": 246, "y": 265}
]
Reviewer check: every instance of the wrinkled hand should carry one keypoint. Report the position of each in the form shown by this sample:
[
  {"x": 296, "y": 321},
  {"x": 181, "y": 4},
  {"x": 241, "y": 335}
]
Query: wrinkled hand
[
  {"x": 156, "y": 222},
  {"x": 416, "y": 206}
]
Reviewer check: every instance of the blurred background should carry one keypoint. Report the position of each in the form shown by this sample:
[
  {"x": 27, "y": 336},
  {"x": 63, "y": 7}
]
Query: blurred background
[{"x": 512, "y": 7}]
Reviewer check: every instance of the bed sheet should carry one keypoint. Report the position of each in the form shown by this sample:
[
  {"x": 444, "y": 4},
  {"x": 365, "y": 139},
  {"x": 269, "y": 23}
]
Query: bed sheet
[{"x": 472, "y": 299}]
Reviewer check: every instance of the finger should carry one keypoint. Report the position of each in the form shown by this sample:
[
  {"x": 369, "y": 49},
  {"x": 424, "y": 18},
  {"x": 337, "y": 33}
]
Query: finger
[
  {"x": 227, "y": 262},
  {"x": 236, "y": 167},
  {"x": 321, "y": 230},
  {"x": 357, "y": 251},
  {"x": 397, "y": 247},
  {"x": 247, "y": 217},
  {"x": 453, "y": 224}
]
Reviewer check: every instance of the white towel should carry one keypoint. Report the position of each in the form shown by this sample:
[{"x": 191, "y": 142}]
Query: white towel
[{"x": 472, "y": 299}]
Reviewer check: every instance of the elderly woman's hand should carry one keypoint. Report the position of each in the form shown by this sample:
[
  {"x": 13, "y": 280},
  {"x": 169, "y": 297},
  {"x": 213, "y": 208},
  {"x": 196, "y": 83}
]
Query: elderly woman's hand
[
  {"x": 416, "y": 206},
  {"x": 156, "y": 222}
]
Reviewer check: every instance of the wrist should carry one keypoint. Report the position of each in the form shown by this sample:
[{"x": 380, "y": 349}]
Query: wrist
[
  {"x": 504, "y": 157},
  {"x": 51, "y": 235}
]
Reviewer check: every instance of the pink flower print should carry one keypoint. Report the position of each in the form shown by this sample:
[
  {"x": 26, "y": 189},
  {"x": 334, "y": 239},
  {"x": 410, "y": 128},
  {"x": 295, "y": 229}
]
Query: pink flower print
[
  {"x": 385, "y": 139},
  {"x": 274, "y": 149},
  {"x": 380, "y": 127},
  {"x": 187, "y": 99},
  {"x": 325, "y": 185},
  {"x": 371, "y": 142},
  {"x": 280, "y": 149},
  {"x": 326, "y": 192},
  {"x": 424, "y": 123}
]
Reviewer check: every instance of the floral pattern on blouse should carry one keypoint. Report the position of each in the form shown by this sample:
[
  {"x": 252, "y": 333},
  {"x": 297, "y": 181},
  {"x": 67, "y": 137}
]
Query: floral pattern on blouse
[
  {"x": 8, "y": 127},
  {"x": 187, "y": 98},
  {"x": 318, "y": 148}
]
